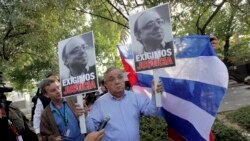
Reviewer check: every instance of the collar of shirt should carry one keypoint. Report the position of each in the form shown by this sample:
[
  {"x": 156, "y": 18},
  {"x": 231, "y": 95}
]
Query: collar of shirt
[
  {"x": 114, "y": 98},
  {"x": 53, "y": 108}
]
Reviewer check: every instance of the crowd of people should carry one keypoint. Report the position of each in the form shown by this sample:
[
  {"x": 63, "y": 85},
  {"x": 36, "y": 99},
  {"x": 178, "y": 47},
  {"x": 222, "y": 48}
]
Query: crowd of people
[{"x": 56, "y": 118}]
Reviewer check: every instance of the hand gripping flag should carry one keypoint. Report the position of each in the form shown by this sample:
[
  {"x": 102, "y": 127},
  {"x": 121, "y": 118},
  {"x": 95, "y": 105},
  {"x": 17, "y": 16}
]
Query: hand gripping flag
[{"x": 193, "y": 89}]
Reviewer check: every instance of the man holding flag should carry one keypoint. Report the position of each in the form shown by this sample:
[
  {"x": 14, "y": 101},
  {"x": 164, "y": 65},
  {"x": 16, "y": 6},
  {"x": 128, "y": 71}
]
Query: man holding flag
[
  {"x": 122, "y": 107},
  {"x": 196, "y": 85}
]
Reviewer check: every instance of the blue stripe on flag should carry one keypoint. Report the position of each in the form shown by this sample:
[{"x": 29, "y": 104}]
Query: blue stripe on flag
[
  {"x": 205, "y": 96},
  {"x": 144, "y": 80},
  {"x": 184, "y": 128},
  {"x": 193, "y": 46}
]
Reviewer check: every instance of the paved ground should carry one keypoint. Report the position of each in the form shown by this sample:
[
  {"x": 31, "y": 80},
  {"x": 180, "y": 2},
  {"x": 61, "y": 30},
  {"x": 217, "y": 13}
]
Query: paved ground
[{"x": 238, "y": 95}]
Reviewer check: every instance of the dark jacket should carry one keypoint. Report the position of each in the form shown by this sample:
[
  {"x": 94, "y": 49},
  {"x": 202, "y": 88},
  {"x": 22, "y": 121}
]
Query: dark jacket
[
  {"x": 17, "y": 120},
  {"x": 45, "y": 101},
  {"x": 6, "y": 133}
]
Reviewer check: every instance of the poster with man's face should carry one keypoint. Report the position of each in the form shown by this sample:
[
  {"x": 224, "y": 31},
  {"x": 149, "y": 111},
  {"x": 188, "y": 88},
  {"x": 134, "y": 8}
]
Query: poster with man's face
[
  {"x": 152, "y": 39},
  {"x": 77, "y": 64}
]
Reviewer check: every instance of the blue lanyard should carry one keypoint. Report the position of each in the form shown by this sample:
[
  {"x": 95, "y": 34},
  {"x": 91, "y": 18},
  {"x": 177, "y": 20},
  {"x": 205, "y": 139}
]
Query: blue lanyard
[{"x": 65, "y": 117}]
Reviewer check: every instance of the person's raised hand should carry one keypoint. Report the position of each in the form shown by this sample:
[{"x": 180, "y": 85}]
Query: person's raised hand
[
  {"x": 159, "y": 87},
  {"x": 215, "y": 42},
  {"x": 79, "y": 110},
  {"x": 58, "y": 138}
]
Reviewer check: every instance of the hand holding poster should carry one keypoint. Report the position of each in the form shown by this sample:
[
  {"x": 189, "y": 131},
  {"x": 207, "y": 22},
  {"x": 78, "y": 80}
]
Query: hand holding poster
[
  {"x": 152, "y": 38},
  {"x": 193, "y": 91},
  {"x": 152, "y": 41},
  {"x": 78, "y": 68}
]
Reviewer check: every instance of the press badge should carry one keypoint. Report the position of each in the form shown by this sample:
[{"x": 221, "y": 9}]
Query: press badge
[{"x": 67, "y": 133}]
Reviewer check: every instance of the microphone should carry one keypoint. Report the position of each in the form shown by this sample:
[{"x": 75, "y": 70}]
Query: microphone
[{"x": 104, "y": 123}]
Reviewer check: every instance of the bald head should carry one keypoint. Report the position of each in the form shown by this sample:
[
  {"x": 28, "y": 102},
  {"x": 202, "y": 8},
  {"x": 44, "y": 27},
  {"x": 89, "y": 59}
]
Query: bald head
[
  {"x": 71, "y": 45},
  {"x": 148, "y": 27},
  {"x": 74, "y": 53}
]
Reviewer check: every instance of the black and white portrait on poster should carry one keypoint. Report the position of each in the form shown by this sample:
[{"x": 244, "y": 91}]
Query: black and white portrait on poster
[
  {"x": 77, "y": 64},
  {"x": 152, "y": 39}
]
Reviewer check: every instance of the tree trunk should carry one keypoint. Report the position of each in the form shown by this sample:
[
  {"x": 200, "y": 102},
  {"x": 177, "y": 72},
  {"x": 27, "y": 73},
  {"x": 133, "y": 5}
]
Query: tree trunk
[{"x": 226, "y": 48}]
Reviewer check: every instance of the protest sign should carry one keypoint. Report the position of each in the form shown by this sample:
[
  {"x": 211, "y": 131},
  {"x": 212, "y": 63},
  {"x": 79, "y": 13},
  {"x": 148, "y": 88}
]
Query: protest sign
[
  {"x": 77, "y": 63},
  {"x": 152, "y": 39}
]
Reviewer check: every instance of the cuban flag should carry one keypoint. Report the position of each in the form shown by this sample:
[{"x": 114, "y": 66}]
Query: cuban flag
[{"x": 193, "y": 89}]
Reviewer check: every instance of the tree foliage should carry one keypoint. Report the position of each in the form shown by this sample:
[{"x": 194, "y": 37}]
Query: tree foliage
[
  {"x": 30, "y": 30},
  {"x": 220, "y": 18},
  {"x": 107, "y": 34},
  {"x": 224, "y": 19},
  {"x": 29, "y": 34}
]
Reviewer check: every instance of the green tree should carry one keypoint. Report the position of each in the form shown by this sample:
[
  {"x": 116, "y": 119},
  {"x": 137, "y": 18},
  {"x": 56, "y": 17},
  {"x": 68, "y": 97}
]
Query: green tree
[
  {"x": 220, "y": 18},
  {"x": 29, "y": 36},
  {"x": 30, "y": 30},
  {"x": 107, "y": 34},
  {"x": 224, "y": 19}
]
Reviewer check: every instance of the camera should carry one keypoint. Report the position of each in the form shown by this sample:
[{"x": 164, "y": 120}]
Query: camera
[
  {"x": 3, "y": 86},
  {"x": 4, "y": 104}
]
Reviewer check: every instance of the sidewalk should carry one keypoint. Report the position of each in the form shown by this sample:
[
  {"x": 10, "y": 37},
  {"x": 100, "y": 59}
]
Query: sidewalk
[{"x": 238, "y": 95}]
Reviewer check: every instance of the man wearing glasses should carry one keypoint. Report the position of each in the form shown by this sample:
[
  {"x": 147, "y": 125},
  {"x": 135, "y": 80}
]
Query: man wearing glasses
[
  {"x": 149, "y": 31},
  {"x": 122, "y": 107},
  {"x": 75, "y": 57}
]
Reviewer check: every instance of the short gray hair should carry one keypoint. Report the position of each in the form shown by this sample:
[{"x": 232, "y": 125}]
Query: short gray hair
[
  {"x": 45, "y": 82},
  {"x": 109, "y": 70}
]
